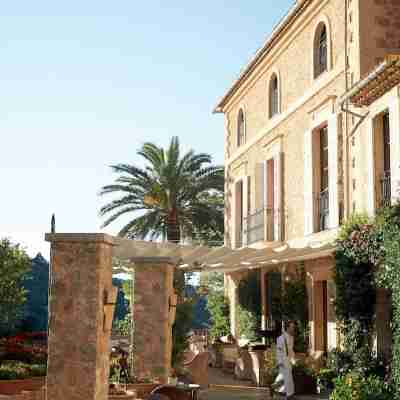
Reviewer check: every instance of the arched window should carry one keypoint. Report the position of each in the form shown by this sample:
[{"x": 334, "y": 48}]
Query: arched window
[
  {"x": 320, "y": 50},
  {"x": 273, "y": 96},
  {"x": 240, "y": 128}
]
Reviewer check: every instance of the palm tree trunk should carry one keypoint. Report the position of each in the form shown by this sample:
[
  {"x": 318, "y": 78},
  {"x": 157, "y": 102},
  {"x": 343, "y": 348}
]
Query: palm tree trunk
[{"x": 173, "y": 231}]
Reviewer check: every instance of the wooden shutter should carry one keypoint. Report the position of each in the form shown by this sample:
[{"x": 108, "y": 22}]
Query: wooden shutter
[
  {"x": 308, "y": 184},
  {"x": 334, "y": 127}
]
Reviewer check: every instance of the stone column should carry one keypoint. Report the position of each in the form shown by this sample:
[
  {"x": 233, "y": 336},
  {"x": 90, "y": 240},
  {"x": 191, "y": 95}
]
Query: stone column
[
  {"x": 153, "y": 313},
  {"x": 81, "y": 309}
]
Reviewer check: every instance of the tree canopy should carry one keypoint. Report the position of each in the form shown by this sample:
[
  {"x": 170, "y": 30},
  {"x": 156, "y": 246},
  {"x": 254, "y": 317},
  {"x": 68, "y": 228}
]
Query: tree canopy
[
  {"x": 14, "y": 264},
  {"x": 174, "y": 196}
]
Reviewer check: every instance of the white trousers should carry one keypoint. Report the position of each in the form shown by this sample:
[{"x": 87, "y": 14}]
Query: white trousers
[{"x": 285, "y": 376}]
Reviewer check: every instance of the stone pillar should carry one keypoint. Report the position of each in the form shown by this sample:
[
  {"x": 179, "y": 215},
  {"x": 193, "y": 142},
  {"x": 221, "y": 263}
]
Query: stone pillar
[
  {"x": 81, "y": 307},
  {"x": 153, "y": 313}
]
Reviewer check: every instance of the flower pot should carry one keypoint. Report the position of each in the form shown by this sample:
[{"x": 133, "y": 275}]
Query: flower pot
[
  {"x": 304, "y": 384},
  {"x": 11, "y": 387}
]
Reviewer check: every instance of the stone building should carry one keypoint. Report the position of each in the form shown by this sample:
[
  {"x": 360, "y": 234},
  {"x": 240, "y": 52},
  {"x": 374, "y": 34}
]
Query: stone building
[{"x": 300, "y": 156}]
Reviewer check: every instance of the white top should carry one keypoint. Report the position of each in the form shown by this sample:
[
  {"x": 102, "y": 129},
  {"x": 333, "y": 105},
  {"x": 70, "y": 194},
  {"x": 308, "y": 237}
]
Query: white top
[{"x": 284, "y": 350}]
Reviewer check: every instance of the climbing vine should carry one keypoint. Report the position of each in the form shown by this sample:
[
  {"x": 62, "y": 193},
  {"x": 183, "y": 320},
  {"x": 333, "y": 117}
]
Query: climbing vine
[{"x": 368, "y": 256}]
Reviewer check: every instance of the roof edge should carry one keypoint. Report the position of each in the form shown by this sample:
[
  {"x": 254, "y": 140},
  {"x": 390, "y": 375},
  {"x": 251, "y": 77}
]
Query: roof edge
[{"x": 293, "y": 12}]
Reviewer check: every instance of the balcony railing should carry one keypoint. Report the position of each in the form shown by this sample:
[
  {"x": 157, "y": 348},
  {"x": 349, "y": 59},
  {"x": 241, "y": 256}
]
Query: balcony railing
[
  {"x": 386, "y": 189},
  {"x": 321, "y": 208},
  {"x": 261, "y": 225},
  {"x": 254, "y": 226}
]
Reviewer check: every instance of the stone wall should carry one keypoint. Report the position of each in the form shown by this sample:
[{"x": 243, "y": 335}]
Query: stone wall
[
  {"x": 81, "y": 311},
  {"x": 153, "y": 314}
]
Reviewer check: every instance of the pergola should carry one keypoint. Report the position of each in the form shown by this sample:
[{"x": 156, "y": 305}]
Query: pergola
[
  {"x": 218, "y": 259},
  {"x": 384, "y": 78},
  {"x": 82, "y": 300}
]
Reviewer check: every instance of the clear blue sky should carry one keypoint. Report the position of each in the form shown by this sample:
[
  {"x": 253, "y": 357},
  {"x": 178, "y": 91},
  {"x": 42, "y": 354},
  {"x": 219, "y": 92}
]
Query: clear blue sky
[{"x": 84, "y": 83}]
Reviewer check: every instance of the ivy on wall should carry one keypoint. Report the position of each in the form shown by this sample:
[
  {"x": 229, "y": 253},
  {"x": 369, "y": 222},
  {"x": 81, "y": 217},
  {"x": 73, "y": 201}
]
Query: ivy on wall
[{"x": 368, "y": 255}]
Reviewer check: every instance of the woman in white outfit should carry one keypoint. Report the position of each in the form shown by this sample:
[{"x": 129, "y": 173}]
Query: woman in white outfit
[{"x": 286, "y": 359}]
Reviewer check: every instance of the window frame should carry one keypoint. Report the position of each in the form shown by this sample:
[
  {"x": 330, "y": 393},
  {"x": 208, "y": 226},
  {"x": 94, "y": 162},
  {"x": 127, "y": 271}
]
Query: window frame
[
  {"x": 241, "y": 128},
  {"x": 322, "y": 27},
  {"x": 274, "y": 96}
]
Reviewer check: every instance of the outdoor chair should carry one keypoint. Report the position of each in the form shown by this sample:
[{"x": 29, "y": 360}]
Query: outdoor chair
[{"x": 196, "y": 369}]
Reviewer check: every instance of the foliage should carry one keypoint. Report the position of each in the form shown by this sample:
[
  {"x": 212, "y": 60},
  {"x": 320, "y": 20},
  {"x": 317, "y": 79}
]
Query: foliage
[
  {"x": 18, "y": 370},
  {"x": 354, "y": 386},
  {"x": 180, "y": 330},
  {"x": 171, "y": 197},
  {"x": 368, "y": 254},
  {"x": 326, "y": 378},
  {"x": 339, "y": 361},
  {"x": 294, "y": 307},
  {"x": 359, "y": 250},
  {"x": 217, "y": 304},
  {"x": 249, "y": 309},
  {"x": 123, "y": 327},
  {"x": 389, "y": 277},
  {"x": 14, "y": 265},
  {"x": 248, "y": 323},
  {"x": 270, "y": 369},
  {"x": 218, "y": 307},
  {"x": 19, "y": 348},
  {"x": 36, "y": 284}
]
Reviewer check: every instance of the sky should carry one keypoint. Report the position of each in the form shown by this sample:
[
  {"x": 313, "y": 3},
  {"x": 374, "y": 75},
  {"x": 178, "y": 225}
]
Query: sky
[{"x": 83, "y": 84}]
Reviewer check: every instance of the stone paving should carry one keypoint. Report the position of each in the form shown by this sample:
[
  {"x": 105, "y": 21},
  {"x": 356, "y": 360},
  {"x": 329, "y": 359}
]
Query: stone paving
[{"x": 247, "y": 394}]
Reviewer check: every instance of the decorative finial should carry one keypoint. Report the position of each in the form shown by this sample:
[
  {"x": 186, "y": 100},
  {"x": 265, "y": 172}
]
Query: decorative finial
[{"x": 53, "y": 224}]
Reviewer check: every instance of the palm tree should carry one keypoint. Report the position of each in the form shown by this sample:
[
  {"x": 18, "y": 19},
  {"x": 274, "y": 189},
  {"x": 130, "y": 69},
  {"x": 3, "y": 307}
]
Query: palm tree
[{"x": 172, "y": 197}]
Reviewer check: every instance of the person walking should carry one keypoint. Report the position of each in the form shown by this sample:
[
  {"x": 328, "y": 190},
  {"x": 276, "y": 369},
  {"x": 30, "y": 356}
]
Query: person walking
[{"x": 286, "y": 359}]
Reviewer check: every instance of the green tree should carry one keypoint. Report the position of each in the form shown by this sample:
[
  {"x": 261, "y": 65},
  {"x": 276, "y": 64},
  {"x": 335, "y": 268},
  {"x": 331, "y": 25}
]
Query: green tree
[
  {"x": 14, "y": 265},
  {"x": 172, "y": 197},
  {"x": 36, "y": 283},
  {"x": 217, "y": 303}
]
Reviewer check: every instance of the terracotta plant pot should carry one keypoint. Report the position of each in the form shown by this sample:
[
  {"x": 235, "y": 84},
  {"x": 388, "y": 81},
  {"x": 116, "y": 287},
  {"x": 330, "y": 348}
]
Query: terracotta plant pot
[{"x": 19, "y": 385}]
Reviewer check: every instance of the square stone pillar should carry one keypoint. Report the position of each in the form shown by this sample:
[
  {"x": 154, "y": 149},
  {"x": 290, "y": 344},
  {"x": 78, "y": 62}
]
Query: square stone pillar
[
  {"x": 153, "y": 313},
  {"x": 81, "y": 307}
]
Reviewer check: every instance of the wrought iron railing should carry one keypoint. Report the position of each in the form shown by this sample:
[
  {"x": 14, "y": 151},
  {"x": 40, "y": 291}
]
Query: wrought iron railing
[
  {"x": 261, "y": 225},
  {"x": 321, "y": 211},
  {"x": 386, "y": 189},
  {"x": 254, "y": 227}
]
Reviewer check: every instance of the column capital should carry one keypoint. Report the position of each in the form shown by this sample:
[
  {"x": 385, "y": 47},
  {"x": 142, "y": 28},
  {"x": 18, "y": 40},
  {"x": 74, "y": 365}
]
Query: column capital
[{"x": 79, "y": 237}]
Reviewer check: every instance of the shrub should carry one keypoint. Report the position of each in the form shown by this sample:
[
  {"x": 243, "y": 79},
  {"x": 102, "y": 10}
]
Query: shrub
[
  {"x": 339, "y": 361},
  {"x": 16, "y": 370},
  {"x": 249, "y": 324},
  {"x": 354, "y": 386},
  {"x": 38, "y": 370},
  {"x": 326, "y": 379}
]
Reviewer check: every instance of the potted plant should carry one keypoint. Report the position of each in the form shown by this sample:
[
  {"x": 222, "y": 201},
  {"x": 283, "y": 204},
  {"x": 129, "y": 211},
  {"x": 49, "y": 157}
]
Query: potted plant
[{"x": 304, "y": 379}]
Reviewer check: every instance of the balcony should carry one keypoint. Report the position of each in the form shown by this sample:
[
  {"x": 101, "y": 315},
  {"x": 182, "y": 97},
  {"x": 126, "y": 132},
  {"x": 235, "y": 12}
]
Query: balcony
[
  {"x": 321, "y": 211},
  {"x": 260, "y": 226},
  {"x": 386, "y": 189}
]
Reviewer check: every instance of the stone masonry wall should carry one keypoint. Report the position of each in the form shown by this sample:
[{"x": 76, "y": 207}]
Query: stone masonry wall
[
  {"x": 293, "y": 61},
  {"x": 80, "y": 317},
  {"x": 153, "y": 326}
]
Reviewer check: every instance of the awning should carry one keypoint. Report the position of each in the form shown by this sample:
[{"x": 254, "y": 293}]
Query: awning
[
  {"x": 221, "y": 259},
  {"x": 380, "y": 81}
]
